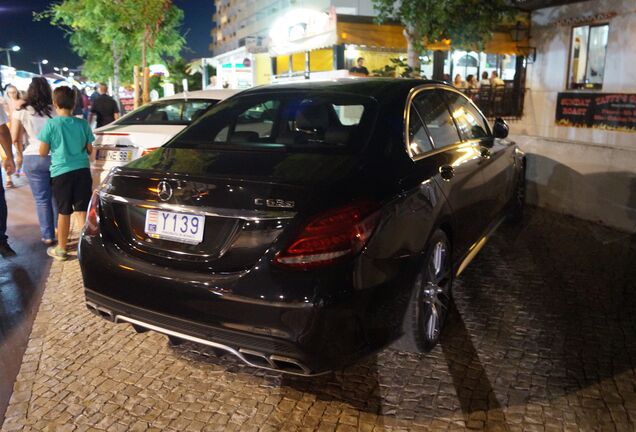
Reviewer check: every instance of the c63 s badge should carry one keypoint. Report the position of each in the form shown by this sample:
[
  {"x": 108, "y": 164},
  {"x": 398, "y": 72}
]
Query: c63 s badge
[{"x": 274, "y": 203}]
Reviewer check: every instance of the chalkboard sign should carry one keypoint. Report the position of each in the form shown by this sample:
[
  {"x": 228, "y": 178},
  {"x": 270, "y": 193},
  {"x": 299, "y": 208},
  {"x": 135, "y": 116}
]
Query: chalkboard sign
[{"x": 612, "y": 111}]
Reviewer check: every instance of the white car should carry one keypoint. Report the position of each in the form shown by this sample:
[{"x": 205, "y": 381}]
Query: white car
[{"x": 148, "y": 128}]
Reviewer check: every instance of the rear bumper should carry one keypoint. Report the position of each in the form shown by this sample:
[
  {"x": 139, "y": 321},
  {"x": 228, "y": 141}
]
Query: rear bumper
[
  {"x": 253, "y": 350},
  {"x": 335, "y": 326}
]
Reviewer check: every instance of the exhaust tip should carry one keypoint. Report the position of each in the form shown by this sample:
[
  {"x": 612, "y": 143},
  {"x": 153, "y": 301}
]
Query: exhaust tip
[{"x": 100, "y": 311}]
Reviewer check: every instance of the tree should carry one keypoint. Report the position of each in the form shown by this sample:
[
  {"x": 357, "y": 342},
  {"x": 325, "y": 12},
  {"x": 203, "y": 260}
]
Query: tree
[
  {"x": 397, "y": 68},
  {"x": 469, "y": 24},
  {"x": 112, "y": 35}
]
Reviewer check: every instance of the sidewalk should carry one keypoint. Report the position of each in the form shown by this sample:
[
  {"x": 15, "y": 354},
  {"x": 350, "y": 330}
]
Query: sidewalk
[
  {"x": 543, "y": 339},
  {"x": 21, "y": 284}
]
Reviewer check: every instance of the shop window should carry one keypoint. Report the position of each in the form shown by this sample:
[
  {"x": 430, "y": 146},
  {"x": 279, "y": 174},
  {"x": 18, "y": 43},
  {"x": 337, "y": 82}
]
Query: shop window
[{"x": 587, "y": 56}]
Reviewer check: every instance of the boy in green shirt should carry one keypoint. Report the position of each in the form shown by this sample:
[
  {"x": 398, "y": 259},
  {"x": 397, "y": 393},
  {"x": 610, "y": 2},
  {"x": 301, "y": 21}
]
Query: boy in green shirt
[{"x": 69, "y": 140}]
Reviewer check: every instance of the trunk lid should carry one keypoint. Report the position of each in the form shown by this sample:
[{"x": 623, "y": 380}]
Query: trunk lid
[{"x": 248, "y": 199}]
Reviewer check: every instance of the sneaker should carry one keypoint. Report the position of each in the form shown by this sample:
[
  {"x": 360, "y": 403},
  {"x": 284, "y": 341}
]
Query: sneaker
[
  {"x": 57, "y": 253},
  {"x": 6, "y": 251}
]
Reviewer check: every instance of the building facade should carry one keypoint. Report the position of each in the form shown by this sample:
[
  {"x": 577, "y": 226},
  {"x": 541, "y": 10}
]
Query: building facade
[
  {"x": 260, "y": 41},
  {"x": 579, "y": 123},
  {"x": 241, "y": 22}
]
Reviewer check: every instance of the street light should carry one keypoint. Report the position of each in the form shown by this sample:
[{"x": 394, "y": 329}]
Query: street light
[
  {"x": 60, "y": 70},
  {"x": 14, "y": 48},
  {"x": 40, "y": 63}
]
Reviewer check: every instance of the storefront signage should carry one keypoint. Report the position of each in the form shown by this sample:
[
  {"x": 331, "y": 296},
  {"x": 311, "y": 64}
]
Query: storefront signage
[
  {"x": 127, "y": 100},
  {"x": 615, "y": 111}
]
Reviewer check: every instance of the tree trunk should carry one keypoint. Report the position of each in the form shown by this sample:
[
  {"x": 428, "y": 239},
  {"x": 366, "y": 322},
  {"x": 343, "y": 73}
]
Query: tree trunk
[
  {"x": 116, "y": 72},
  {"x": 145, "y": 85},
  {"x": 412, "y": 54}
]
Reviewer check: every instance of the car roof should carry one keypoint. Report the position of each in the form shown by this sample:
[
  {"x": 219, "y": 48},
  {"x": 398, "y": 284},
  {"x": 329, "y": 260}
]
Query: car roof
[
  {"x": 374, "y": 87},
  {"x": 217, "y": 94}
]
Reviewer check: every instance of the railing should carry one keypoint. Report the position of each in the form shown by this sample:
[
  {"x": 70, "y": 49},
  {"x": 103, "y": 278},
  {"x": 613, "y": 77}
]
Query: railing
[{"x": 498, "y": 101}]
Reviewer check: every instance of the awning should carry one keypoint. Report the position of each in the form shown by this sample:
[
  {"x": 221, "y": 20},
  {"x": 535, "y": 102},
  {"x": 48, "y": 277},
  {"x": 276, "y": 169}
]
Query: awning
[
  {"x": 389, "y": 36},
  {"x": 500, "y": 43}
]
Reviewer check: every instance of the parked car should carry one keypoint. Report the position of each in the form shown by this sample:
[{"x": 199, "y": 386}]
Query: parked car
[
  {"x": 303, "y": 226},
  {"x": 149, "y": 127}
]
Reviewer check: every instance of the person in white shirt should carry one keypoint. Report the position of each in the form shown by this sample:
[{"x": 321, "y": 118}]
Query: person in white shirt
[
  {"x": 9, "y": 167},
  {"x": 12, "y": 101},
  {"x": 484, "y": 79},
  {"x": 28, "y": 121}
]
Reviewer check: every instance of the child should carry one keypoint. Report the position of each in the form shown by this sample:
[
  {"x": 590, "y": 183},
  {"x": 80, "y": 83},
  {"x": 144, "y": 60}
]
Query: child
[{"x": 69, "y": 140}]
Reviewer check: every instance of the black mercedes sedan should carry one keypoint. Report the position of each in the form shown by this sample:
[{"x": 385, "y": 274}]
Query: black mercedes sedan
[{"x": 304, "y": 226}]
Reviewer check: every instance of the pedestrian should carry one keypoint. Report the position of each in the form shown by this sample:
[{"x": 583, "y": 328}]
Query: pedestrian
[
  {"x": 104, "y": 107},
  {"x": 9, "y": 166},
  {"x": 94, "y": 94},
  {"x": 359, "y": 69},
  {"x": 78, "y": 109},
  {"x": 86, "y": 104},
  {"x": 69, "y": 140},
  {"x": 28, "y": 121},
  {"x": 13, "y": 101}
]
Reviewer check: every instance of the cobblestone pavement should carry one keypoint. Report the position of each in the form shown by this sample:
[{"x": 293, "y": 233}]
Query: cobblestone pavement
[
  {"x": 22, "y": 280},
  {"x": 543, "y": 338}
]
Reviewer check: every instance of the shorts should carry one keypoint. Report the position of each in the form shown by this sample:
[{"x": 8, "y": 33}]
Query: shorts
[{"x": 72, "y": 191}]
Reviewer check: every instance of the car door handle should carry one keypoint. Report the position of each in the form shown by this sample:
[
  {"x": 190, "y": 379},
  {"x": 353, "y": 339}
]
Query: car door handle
[
  {"x": 447, "y": 172},
  {"x": 485, "y": 153}
]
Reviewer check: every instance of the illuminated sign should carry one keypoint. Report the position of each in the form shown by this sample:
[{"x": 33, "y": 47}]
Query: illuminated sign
[{"x": 303, "y": 30}]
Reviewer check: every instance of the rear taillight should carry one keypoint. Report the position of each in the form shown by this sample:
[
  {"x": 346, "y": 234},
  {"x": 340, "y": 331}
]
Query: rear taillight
[
  {"x": 148, "y": 151},
  {"x": 331, "y": 237},
  {"x": 91, "y": 227}
]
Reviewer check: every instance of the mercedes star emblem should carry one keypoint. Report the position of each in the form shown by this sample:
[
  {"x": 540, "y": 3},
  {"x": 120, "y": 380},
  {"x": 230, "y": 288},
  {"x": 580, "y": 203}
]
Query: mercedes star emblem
[{"x": 164, "y": 191}]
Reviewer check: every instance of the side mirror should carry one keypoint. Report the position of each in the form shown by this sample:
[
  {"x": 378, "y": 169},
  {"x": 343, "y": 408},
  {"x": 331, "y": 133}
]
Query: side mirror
[{"x": 500, "y": 128}]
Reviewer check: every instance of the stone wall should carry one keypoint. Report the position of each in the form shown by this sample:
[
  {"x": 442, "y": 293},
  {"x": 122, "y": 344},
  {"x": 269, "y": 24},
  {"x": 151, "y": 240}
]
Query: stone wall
[{"x": 588, "y": 173}]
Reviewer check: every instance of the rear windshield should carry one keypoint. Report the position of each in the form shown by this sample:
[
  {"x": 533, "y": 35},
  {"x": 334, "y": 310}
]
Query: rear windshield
[
  {"x": 292, "y": 121},
  {"x": 172, "y": 112}
]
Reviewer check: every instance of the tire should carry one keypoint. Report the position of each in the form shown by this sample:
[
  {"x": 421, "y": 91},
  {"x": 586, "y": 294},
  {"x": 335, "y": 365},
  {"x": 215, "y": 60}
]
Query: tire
[
  {"x": 518, "y": 201},
  {"x": 431, "y": 297}
]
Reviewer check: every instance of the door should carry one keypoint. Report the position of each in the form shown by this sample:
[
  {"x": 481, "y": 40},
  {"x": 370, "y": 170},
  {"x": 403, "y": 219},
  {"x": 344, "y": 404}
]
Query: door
[
  {"x": 455, "y": 164},
  {"x": 496, "y": 156}
]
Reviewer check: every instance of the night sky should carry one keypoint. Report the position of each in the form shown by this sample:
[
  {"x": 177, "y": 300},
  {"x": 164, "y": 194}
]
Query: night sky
[{"x": 40, "y": 40}]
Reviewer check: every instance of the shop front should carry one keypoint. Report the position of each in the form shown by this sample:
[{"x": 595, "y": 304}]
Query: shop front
[
  {"x": 241, "y": 68},
  {"x": 312, "y": 44}
]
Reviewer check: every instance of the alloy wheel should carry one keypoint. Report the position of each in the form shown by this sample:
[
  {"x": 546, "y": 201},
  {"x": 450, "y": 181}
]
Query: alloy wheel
[{"x": 434, "y": 298}]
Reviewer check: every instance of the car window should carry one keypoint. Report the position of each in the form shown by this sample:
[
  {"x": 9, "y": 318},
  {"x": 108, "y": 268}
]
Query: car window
[
  {"x": 298, "y": 121},
  {"x": 169, "y": 113},
  {"x": 433, "y": 110},
  {"x": 419, "y": 142},
  {"x": 471, "y": 124},
  {"x": 348, "y": 115},
  {"x": 192, "y": 110},
  {"x": 258, "y": 119},
  {"x": 178, "y": 112}
]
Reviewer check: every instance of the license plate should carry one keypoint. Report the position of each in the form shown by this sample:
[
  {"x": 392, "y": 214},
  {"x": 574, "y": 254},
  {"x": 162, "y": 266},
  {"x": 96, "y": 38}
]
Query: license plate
[
  {"x": 115, "y": 155},
  {"x": 177, "y": 227}
]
